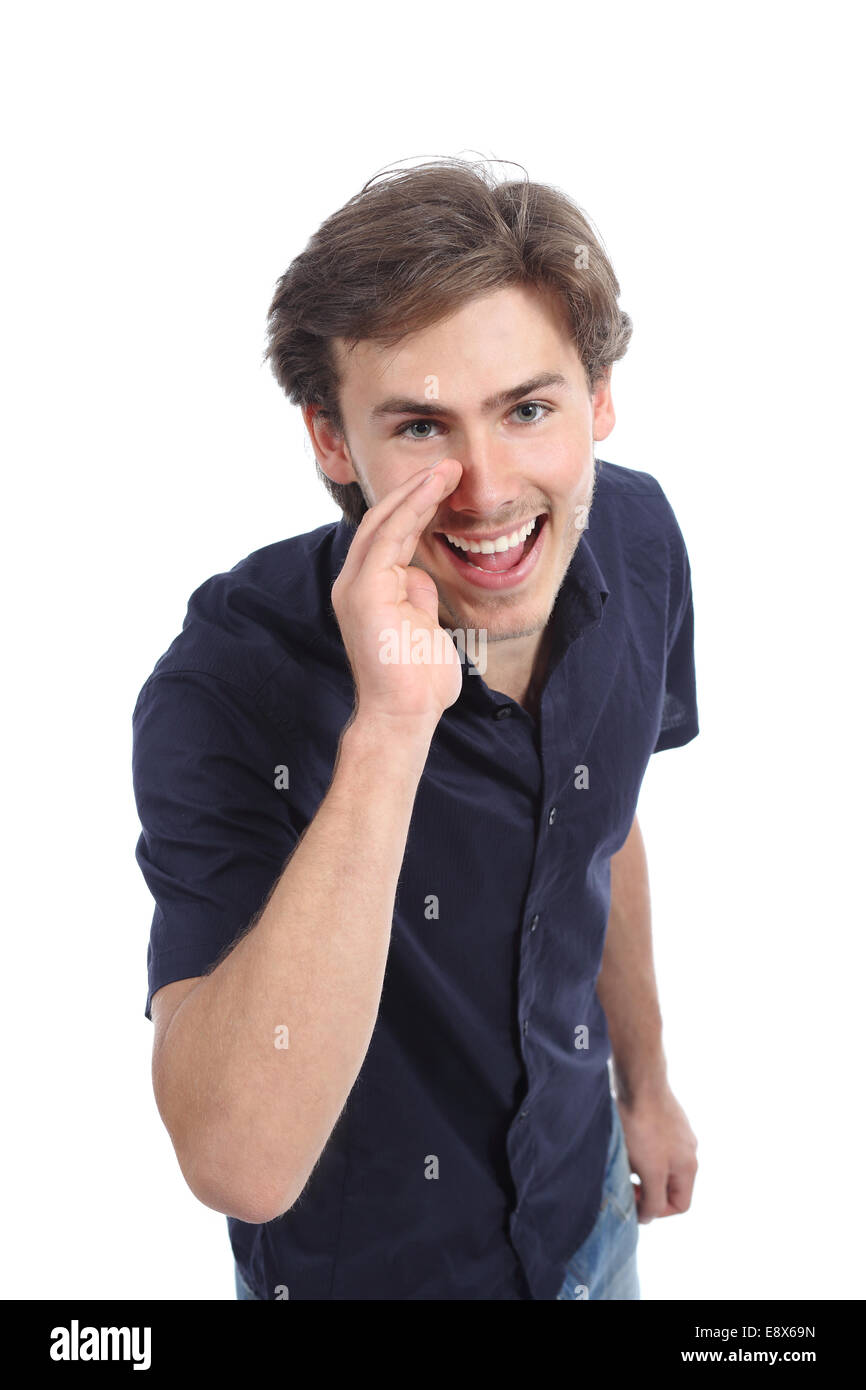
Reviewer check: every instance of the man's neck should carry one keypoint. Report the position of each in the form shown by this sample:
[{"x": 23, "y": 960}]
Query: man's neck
[{"x": 519, "y": 669}]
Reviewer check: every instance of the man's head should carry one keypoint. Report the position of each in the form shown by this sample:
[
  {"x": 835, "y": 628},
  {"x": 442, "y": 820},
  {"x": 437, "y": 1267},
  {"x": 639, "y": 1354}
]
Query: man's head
[{"x": 404, "y": 330}]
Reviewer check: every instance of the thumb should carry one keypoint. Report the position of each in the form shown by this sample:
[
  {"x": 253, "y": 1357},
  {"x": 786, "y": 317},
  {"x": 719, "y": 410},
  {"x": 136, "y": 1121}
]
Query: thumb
[{"x": 422, "y": 593}]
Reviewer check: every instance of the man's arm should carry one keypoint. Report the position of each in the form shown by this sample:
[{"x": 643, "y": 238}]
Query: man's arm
[
  {"x": 661, "y": 1145},
  {"x": 249, "y": 1118}
]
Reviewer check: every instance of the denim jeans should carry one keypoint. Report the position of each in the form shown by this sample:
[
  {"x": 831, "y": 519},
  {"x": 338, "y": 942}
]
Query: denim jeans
[{"x": 605, "y": 1265}]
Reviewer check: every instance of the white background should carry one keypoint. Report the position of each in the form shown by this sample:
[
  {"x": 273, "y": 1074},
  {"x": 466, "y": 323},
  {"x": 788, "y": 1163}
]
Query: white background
[{"x": 163, "y": 165}]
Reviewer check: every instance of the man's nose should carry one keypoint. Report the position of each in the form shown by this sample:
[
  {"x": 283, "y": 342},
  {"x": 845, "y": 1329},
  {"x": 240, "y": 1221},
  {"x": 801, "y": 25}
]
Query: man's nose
[{"x": 489, "y": 482}]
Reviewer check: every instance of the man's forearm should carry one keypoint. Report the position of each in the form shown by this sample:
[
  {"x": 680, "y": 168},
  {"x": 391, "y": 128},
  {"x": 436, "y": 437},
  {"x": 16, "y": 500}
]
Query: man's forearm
[
  {"x": 249, "y": 1119},
  {"x": 626, "y": 985}
]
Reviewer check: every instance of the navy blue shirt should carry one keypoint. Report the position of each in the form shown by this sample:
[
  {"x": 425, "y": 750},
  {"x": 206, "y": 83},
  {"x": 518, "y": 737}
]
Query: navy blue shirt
[{"x": 468, "y": 1161}]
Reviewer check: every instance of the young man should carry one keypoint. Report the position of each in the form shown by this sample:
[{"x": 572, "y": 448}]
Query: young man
[{"x": 387, "y": 777}]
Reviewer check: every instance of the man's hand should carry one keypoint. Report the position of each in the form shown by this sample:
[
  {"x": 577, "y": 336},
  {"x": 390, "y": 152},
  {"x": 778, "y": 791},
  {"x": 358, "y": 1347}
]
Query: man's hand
[
  {"x": 662, "y": 1150},
  {"x": 378, "y": 590}
]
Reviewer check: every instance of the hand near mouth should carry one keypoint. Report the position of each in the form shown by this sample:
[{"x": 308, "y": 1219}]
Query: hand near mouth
[{"x": 379, "y": 592}]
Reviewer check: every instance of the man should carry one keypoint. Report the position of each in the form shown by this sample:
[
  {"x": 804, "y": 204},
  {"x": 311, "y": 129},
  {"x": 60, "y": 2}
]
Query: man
[{"x": 387, "y": 777}]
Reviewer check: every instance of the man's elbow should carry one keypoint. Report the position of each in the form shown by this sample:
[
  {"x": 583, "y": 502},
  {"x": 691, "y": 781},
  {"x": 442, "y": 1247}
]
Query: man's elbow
[{"x": 241, "y": 1199}]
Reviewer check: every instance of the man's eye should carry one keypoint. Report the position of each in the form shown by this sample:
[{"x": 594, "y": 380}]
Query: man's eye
[
  {"x": 533, "y": 405},
  {"x": 410, "y": 424},
  {"x": 524, "y": 405}
]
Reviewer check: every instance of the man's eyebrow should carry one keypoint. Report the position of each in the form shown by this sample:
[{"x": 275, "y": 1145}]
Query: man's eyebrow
[{"x": 405, "y": 405}]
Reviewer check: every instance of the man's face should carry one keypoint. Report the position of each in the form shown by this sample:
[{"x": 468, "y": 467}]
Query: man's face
[{"x": 527, "y": 457}]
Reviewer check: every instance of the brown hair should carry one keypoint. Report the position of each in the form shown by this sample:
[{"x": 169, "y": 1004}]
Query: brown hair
[{"x": 413, "y": 247}]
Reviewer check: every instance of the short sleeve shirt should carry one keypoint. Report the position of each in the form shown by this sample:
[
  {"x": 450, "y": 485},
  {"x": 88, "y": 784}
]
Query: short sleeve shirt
[{"x": 468, "y": 1160}]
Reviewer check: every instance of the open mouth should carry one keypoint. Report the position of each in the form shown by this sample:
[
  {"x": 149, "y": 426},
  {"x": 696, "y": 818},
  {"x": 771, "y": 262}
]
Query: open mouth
[{"x": 499, "y": 564}]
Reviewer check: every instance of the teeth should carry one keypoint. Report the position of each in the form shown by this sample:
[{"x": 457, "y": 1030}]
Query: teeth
[{"x": 501, "y": 542}]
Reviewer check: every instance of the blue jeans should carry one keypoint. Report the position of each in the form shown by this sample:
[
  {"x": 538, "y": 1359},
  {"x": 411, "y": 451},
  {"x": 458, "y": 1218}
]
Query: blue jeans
[{"x": 605, "y": 1265}]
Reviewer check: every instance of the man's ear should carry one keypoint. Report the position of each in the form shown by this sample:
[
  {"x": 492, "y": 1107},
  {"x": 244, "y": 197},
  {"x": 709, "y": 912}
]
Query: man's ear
[
  {"x": 603, "y": 415},
  {"x": 329, "y": 446}
]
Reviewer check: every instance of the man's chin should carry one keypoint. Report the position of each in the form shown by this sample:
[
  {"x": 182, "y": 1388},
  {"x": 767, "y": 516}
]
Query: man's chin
[{"x": 499, "y": 622}]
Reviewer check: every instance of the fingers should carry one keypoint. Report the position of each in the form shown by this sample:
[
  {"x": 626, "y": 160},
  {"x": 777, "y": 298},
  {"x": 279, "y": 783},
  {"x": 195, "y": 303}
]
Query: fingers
[
  {"x": 652, "y": 1198},
  {"x": 394, "y": 525},
  {"x": 396, "y": 539},
  {"x": 665, "y": 1193},
  {"x": 681, "y": 1184}
]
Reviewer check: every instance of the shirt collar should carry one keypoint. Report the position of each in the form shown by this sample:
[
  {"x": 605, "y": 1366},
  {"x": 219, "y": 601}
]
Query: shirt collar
[{"x": 580, "y": 602}]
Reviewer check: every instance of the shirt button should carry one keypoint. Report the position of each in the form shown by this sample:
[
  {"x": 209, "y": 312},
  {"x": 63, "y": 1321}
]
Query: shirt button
[
  {"x": 504, "y": 712},
  {"x": 523, "y": 1114},
  {"x": 552, "y": 817},
  {"x": 534, "y": 923}
]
